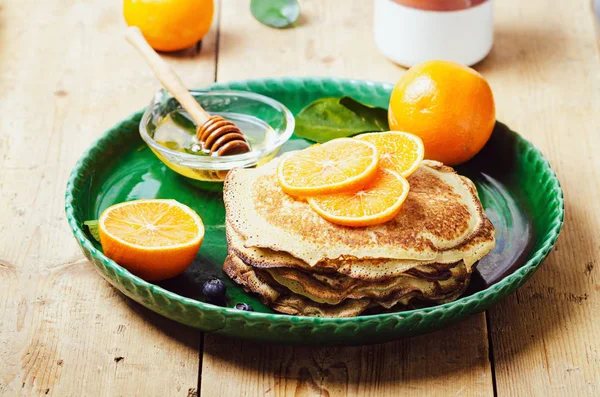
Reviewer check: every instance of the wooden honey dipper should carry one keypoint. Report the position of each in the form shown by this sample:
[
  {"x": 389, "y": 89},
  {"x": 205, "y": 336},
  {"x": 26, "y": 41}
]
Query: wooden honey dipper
[{"x": 215, "y": 133}]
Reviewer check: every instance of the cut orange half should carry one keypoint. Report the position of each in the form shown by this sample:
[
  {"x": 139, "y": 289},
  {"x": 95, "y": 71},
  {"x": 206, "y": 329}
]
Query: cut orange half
[
  {"x": 378, "y": 202},
  {"x": 154, "y": 239},
  {"x": 338, "y": 165},
  {"x": 398, "y": 151}
]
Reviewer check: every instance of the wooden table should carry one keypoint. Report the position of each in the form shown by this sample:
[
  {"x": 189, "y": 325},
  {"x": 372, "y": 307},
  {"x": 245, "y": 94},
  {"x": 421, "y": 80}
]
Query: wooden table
[{"x": 67, "y": 74}]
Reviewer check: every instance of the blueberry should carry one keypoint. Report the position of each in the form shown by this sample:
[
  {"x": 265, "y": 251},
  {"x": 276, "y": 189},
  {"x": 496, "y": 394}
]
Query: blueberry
[
  {"x": 244, "y": 306},
  {"x": 214, "y": 291}
]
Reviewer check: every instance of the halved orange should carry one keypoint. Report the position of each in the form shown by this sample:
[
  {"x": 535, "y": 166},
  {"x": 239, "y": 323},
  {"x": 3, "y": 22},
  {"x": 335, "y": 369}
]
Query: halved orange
[
  {"x": 154, "y": 239},
  {"x": 378, "y": 202},
  {"x": 338, "y": 165},
  {"x": 398, "y": 151}
]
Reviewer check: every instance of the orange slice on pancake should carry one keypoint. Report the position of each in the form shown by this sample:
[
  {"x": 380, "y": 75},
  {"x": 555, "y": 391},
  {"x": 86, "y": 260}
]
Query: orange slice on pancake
[
  {"x": 398, "y": 151},
  {"x": 339, "y": 165},
  {"x": 378, "y": 202}
]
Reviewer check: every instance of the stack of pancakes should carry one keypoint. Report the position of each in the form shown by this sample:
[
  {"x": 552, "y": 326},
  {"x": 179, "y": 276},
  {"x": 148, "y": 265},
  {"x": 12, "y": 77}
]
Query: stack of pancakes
[{"x": 299, "y": 263}]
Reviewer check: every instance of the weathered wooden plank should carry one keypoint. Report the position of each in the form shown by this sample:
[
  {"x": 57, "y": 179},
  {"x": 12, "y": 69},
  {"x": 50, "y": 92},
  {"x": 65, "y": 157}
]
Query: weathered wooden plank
[
  {"x": 448, "y": 362},
  {"x": 333, "y": 38},
  {"x": 545, "y": 72},
  {"x": 66, "y": 75}
]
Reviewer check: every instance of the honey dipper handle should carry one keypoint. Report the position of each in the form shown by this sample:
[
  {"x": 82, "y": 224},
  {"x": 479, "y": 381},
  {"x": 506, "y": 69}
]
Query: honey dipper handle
[{"x": 167, "y": 76}]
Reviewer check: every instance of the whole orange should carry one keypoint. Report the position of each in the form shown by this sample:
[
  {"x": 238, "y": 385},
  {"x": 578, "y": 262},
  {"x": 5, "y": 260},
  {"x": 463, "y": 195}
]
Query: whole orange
[
  {"x": 170, "y": 25},
  {"x": 448, "y": 105}
]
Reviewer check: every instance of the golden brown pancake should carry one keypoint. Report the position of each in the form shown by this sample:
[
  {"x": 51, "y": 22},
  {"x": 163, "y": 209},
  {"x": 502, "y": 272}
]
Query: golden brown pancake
[
  {"x": 441, "y": 221},
  {"x": 335, "y": 288},
  {"x": 364, "y": 269},
  {"x": 301, "y": 301},
  {"x": 287, "y": 302},
  {"x": 299, "y": 263}
]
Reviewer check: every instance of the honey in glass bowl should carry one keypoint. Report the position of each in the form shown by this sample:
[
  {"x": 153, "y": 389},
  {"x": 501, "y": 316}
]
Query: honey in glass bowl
[{"x": 171, "y": 134}]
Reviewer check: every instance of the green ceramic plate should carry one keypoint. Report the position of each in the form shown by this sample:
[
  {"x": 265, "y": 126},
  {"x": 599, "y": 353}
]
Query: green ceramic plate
[{"x": 518, "y": 189}]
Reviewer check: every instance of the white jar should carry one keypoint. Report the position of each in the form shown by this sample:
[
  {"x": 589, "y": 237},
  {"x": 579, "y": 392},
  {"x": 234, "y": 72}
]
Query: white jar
[{"x": 413, "y": 31}]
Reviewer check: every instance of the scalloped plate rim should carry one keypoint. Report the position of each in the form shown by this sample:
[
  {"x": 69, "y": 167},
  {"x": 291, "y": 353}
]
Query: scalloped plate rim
[{"x": 525, "y": 271}]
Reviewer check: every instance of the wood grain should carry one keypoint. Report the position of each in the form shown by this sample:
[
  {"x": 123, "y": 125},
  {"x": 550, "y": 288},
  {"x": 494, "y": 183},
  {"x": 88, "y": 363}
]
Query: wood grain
[
  {"x": 64, "y": 331},
  {"x": 445, "y": 363},
  {"x": 545, "y": 72},
  {"x": 333, "y": 38}
]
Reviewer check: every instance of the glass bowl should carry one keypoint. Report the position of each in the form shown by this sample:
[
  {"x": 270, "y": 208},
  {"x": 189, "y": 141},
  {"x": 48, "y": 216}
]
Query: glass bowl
[{"x": 266, "y": 123}]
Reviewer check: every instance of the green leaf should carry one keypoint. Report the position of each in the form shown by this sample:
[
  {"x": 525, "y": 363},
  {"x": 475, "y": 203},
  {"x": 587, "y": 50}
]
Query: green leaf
[
  {"x": 330, "y": 118},
  {"x": 275, "y": 13},
  {"x": 92, "y": 227}
]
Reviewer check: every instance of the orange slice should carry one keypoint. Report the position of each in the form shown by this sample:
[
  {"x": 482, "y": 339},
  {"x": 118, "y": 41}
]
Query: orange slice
[
  {"x": 378, "y": 202},
  {"x": 154, "y": 239},
  {"x": 338, "y": 165},
  {"x": 398, "y": 151}
]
